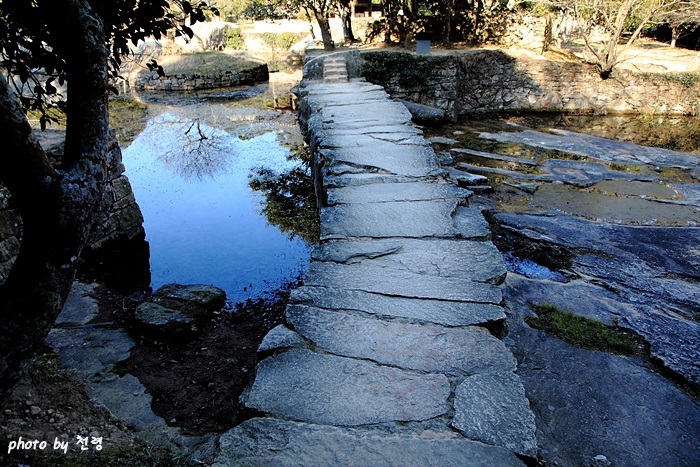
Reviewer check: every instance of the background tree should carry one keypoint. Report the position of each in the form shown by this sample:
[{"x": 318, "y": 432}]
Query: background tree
[
  {"x": 81, "y": 43},
  {"x": 622, "y": 22},
  {"x": 321, "y": 10},
  {"x": 345, "y": 11}
]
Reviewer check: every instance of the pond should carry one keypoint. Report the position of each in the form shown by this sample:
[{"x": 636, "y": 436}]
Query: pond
[{"x": 203, "y": 221}]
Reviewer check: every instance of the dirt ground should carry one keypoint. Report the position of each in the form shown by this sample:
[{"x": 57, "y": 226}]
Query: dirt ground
[{"x": 195, "y": 386}]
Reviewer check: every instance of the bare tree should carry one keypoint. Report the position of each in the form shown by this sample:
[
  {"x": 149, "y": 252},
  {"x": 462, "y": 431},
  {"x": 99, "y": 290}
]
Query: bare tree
[{"x": 622, "y": 22}]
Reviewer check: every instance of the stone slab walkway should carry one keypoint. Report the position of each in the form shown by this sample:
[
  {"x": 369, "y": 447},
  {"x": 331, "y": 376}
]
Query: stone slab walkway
[{"x": 390, "y": 354}]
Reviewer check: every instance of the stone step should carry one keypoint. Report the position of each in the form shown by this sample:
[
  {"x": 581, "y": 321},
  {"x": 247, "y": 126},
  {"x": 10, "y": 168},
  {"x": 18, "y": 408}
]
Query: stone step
[
  {"x": 270, "y": 441},
  {"x": 488, "y": 156},
  {"x": 477, "y": 169},
  {"x": 266, "y": 441},
  {"x": 380, "y": 193},
  {"x": 472, "y": 260},
  {"x": 377, "y": 279},
  {"x": 427, "y": 348},
  {"x": 414, "y": 219},
  {"x": 303, "y": 385},
  {"x": 444, "y": 312}
]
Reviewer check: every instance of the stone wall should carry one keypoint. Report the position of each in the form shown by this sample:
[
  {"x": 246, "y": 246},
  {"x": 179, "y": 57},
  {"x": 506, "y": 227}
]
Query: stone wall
[
  {"x": 150, "y": 81},
  {"x": 117, "y": 241},
  {"x": 496, "y": 80}
]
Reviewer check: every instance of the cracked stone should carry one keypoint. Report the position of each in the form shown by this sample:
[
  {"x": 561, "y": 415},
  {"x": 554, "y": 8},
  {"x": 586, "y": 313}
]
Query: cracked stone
[
  {"x": 448, "y": 313},
  {"x": 380, "y": 193},
  {"x": 477, "y": 261},
  {"x": 403, "y": 219},
  {"x": 492, "y": 408},
  {"x": 429, "y": 348},
  {"x": 400, "y": 283},
  {"x": 265, "y": 441},
  {"x": 330, "y": 390}
]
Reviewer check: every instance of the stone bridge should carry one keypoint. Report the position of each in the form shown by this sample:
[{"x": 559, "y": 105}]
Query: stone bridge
[{"x": 391, "y": 352}]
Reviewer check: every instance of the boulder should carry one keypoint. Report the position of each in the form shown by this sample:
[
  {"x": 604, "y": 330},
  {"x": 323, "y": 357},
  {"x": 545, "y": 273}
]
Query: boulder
[
  {"x": 177, "y": 311},
  {"x": 194, "y": 300},
  {"x": 424, "y": 114}
]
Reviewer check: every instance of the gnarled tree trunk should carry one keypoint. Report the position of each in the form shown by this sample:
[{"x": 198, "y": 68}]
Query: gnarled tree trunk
[{"x": 56, "y": 204}]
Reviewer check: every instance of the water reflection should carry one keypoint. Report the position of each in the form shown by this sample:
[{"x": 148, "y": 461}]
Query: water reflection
[
  {"x": 290, "y": 202},
  {"x": 198, "y": 150},
  {"x": 202, "y": 219}
]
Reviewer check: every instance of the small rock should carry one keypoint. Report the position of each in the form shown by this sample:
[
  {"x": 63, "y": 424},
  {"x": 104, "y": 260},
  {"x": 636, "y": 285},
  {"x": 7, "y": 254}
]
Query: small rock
[
  {"x": 193, "y": 299},
  {"x": 34, "y": 410}
]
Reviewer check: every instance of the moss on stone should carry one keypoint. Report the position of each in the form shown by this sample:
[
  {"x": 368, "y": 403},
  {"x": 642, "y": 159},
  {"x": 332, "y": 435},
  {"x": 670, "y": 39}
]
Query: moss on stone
[{"x": 583, "y": 332}]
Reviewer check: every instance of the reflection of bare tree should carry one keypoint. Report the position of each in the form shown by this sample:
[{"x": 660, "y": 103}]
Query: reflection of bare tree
[{"x": 200, "y": 151}]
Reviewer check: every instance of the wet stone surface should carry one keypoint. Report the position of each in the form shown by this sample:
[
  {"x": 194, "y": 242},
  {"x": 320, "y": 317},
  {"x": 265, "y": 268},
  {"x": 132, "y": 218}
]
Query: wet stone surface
[{"x": 606, "y": 230}]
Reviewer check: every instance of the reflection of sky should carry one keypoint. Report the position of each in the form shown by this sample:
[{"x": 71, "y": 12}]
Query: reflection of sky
[{"x": 208, "y": 229}]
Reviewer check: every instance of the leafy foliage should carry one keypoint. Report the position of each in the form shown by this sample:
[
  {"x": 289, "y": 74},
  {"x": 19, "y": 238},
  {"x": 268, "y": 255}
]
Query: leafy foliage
[
  {"x": 33, "y": 53},
  {"x": 290, "y": 202}
]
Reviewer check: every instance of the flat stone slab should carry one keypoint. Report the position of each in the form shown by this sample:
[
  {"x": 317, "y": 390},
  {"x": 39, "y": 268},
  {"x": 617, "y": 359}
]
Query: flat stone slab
[
  {"x": 338, "y": 176},
  {"x": 599, "y": 148},
  {"x": 384, "y": 192},
  {"x": 341, "y": 111},
  {"x": 447, "y": 313},
  {"x": 465, "y": 179},
  {"x": 492, "y": 408},
  {"x": 403, "y": 219},
  {"x": 90, "y": 350},
  {"x": 429, "y": 348},
  {"x": 269, "y": 441},
  {"x": 473, "y": 260},
  {"x": 400, "y": 283},
  {"x": 587, "y": 395},
  {"x": 398, "y": 159},
  {"x": 307, "y": 386},
  {"x": 470, "y": 223},
  {"x": 80, "y": 307},
  {"x": 366, "y": 138},
  {"x": 492, "y": 156}
]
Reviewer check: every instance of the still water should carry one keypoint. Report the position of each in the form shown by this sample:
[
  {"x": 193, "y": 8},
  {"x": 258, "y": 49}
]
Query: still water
[{"x": 202, "y": 220}]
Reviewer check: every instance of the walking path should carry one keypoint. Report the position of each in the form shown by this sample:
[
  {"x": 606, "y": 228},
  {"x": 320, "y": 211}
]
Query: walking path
[{"x": 389, "y": 356}]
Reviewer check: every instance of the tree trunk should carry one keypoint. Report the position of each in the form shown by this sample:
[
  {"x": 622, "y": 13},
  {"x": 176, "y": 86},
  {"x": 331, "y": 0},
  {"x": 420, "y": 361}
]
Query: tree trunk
[
  {"x": 345, "y": 13},
  {"x": 324, "y": 26},
  {"x": 311, "y": 26},
  {"x": 674, "y": 35},
  {"x": 56, "y": 205}
]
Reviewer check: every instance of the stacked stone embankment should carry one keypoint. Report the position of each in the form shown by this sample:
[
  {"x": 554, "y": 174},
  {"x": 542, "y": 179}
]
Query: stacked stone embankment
[
  {"x": 502, "y": 80},
  {"x": 390, "y": 354},
  {"x": 151, "y": 81}
]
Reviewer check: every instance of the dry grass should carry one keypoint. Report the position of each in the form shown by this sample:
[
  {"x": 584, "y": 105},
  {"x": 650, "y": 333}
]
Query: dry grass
[{"x": 206, "y": 63}]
